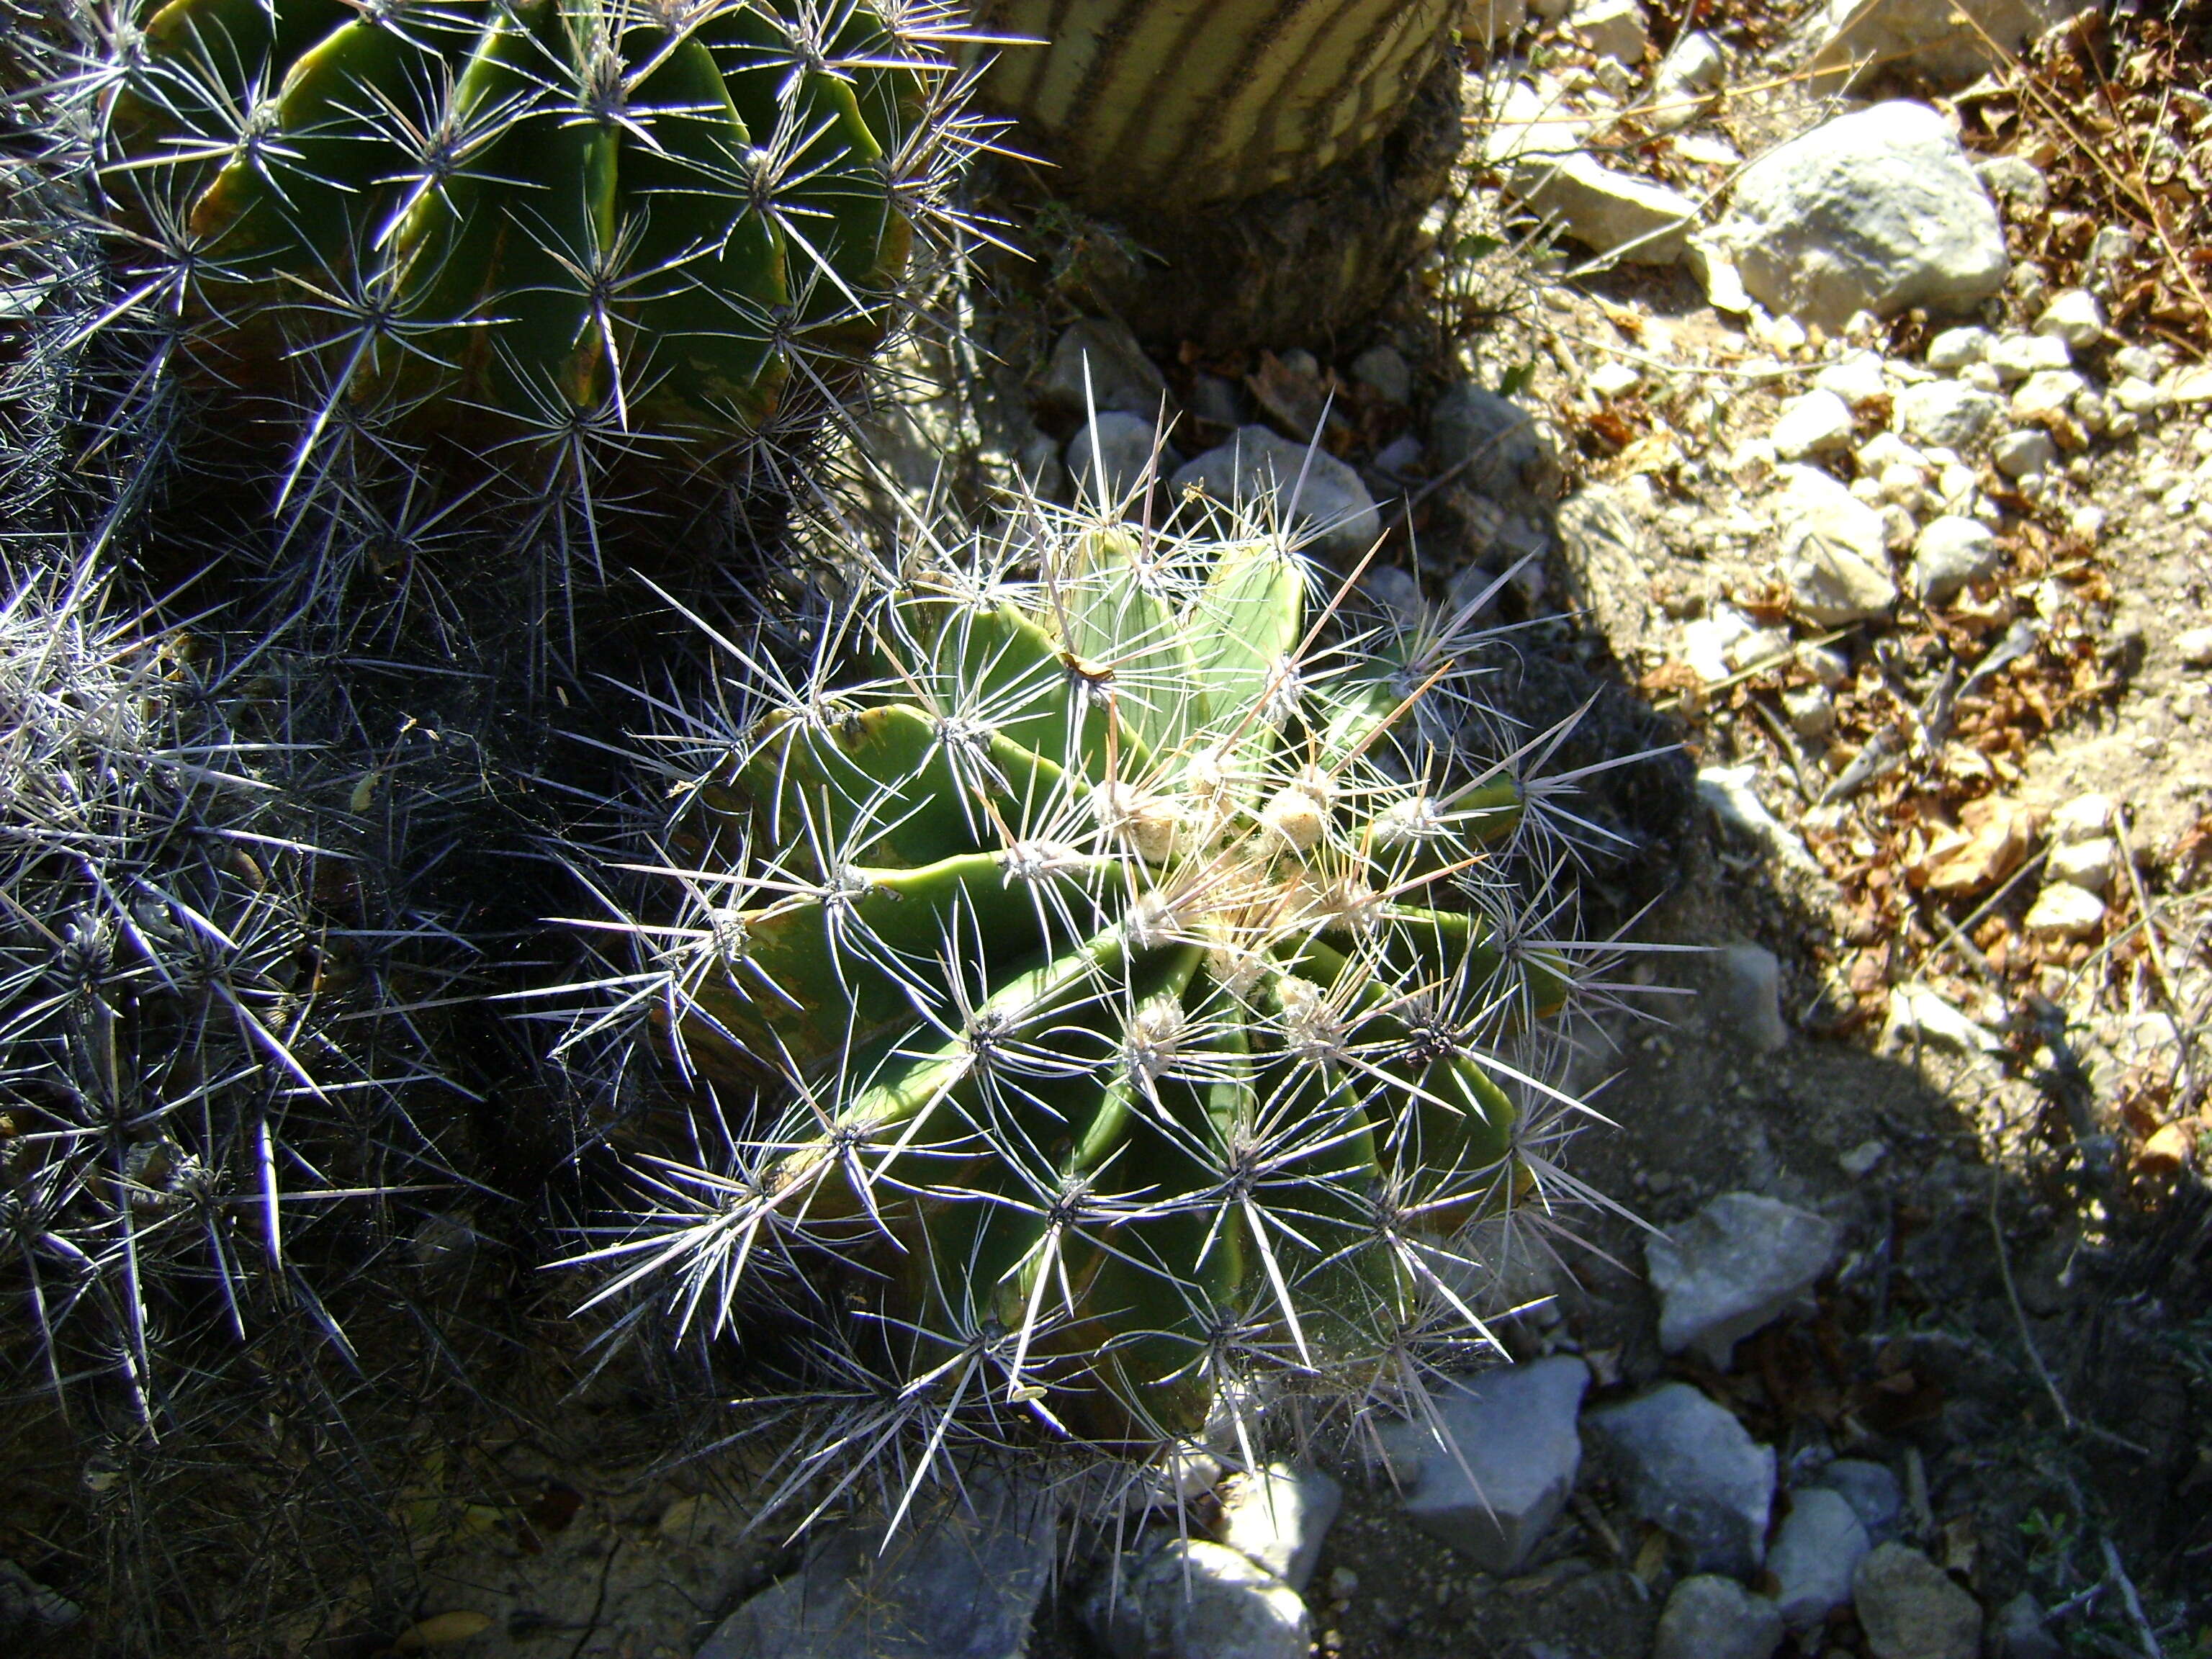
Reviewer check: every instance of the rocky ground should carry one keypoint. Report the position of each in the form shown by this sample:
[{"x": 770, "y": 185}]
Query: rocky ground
[{"x": 1877, "y": 474}]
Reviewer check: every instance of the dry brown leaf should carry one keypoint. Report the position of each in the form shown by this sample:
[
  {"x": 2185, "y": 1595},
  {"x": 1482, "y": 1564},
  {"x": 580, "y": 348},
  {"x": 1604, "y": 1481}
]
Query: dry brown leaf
[{"x": 1993, "y": 839}]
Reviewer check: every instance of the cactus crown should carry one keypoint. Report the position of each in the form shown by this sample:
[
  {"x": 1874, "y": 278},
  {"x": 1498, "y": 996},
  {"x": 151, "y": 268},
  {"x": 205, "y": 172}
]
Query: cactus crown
[{"x": 1130, "y": 975}]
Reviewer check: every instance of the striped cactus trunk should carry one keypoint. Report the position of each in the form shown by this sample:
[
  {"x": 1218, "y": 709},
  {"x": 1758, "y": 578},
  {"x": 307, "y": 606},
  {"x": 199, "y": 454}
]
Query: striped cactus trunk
[{"x": 1177, "y": 103}]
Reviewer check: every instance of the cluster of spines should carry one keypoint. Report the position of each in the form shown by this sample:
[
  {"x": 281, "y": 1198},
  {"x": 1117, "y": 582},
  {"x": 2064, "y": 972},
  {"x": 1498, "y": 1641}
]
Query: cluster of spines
[
  {"x": 376, "y": 431},
  {"x": 1255, "y": 877},
  {"x": 211, "y": 1053}
]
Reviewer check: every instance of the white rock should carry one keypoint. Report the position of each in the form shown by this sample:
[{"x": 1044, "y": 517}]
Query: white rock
[
  {"x": 1192, "y": 1599},
  {"x": 2017, "y": 182},
  {"x": 1919, "y": 1015},
  {"x": 1729, "y": 793},
  {"x": 1955, "y": 348},
  {"x": 1902, "y": 486},
  {"x": 1856, "y": 379},
  {"x": 2019, "y": 454},
  {"x": 1828, "y": 665},
  {"x": 1949, "y": 553},
  {"x": 1607, "y": 212},
  {"x": 1812, "y": 712},
  {"x": 1692, "y": 71},
  {"x": 1751, "y": 997},
  {"x": 2075, "y": 316},
  {"x": 2062, "y": 913},
  {"x": 1384, "y": 371},
  {"x": 1860, "y": 1161},
  {"x": 1715, "y": 268},
  {"x": 1946, "y": 413},
  {"x": 1696, "y": 61},
  {"x": 1732, "y": 1268},
  {"x": 2086, "y": 864},
  {"x": 1983, "y": 377},
  {"x": 1886, "y": 449},
  {"x": 1685, "y": 1465},
  {"x": 1493, "y": 446},
  {"x": 1614, "y": 378},
  {"x": 1122, "y": 444},
  {"x": 1507, "y": 1463},
  {"x": 2139, "y": 397},
  {"x": 1910, "y": 1609},
  {"x": 1399, "y": 457},
  {"x": 1708, "y": 641},
  {"x": 960, "y": 1584},
  {"x": 2193, "y": 647},
  {"x": 1873, "y": 1491},
  {"x": 1614, "y": 28},
  {"x": 2016, "y": 356},
  {"x": 1833, "y": 556},
  {"x": 2086, "y": 817},
  {"x": 1873, "y": 211},
  {"x": 2140, "y": 361},
  {"x": 1709, "y": 1617},
  {"x": 2190, "y": 383},
  {"x": 1278, "y": 1518},
  {"x": 1331, "y": 504},
  {"x": 1814, "y": 1556},
  {"x": 1121, "y": 376},
  {"x": 1395, "y": 593},
  {"x": 2047, "y": 396},
  {"x": 1928, "y": 38},
  {"x": 1817, "y": 423}
]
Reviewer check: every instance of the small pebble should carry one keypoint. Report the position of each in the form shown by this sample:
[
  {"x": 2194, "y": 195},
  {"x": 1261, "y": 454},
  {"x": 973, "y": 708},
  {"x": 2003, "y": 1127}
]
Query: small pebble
[
  {"x": 1615, "y": 380},
  {"x": 2083, "y": 818},
  {"x": 1955, "y": 348},
  {"x": 2194, "y": 647},
  {"x": 2062, "y": 913},
  {"x": 2090, "y": 865},
  {"x": 2017, "y": 357},
  {"x": 2075, "y": 316}
]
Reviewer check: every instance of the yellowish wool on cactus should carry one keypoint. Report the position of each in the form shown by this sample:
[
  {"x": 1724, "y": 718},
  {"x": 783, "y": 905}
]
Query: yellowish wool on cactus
[{"x": 1125, "y": 987}]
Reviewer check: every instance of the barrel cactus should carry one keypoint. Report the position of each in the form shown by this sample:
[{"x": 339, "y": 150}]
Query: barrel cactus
[
  {"x": 1126, "y": 972},
  {"x": 645, "y": 227},
  {"x": 1271, "y": 165},
  {"x": 1139, "y": 100}
]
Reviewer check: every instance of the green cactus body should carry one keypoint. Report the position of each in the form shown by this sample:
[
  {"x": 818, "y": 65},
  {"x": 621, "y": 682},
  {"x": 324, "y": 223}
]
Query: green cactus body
[
  {"x": 1176, "y": 103},
  {"x": 494, "y": 216},
  {"x": 1127, "y": 991}
]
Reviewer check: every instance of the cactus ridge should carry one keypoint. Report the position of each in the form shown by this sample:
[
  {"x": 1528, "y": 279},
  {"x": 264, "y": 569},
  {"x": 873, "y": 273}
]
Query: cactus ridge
[{"x": 1130, "y": 981}]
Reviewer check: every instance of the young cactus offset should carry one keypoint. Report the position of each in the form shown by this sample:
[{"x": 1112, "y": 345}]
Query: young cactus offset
[
  {"x": 514, "y": 219},
  {"x": 1117, "y": 964}
]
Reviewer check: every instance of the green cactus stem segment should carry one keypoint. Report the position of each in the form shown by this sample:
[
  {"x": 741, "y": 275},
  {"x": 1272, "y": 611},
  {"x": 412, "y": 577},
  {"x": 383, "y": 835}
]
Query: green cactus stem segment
[
  {"x": 504, "y": 214},
  {"x": 1117, "y": 983}
]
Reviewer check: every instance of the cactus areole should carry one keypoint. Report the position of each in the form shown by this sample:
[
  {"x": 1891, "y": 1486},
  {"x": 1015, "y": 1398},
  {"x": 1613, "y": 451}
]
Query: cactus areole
[
  {"x": 511, "y": 218},
  {"x": 1118, "y": 979}
]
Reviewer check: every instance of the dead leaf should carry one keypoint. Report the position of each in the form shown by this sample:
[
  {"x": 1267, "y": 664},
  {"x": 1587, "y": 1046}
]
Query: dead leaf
[
  {"x": 1994, "y": 838},
  {"x": 2167, "y": 1151},
  {"x": 446, "y": 1630}
]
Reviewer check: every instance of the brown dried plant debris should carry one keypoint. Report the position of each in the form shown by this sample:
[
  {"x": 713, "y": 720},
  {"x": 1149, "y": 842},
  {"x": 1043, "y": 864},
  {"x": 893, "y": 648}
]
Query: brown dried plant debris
[{"x": 2118, "y": 114}]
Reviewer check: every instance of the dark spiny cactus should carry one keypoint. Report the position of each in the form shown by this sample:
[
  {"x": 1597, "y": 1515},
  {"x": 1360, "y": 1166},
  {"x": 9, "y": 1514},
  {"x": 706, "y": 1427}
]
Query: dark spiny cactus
[{"x": 1136, "y": 997}]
